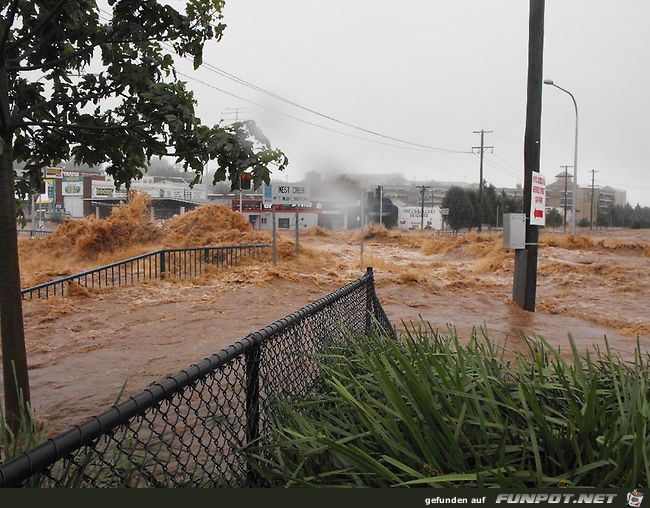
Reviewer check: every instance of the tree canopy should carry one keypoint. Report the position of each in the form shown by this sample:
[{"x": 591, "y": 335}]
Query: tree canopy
[
  {"x": 99, "y": 87},
  {"x": 461, "y": 211}
]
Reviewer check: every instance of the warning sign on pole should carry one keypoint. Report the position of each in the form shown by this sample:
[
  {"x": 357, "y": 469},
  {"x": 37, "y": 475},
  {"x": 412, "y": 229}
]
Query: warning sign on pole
[{"x": 538, "y": 200}]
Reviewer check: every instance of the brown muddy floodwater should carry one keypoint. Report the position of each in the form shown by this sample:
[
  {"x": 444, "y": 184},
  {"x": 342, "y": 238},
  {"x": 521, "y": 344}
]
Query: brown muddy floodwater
[{"x": 83, "y": 349}]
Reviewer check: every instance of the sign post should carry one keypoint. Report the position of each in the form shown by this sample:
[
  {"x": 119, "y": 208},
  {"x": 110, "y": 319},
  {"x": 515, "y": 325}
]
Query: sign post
[
  {"x": 275, "y": 241},
  {"x": 297, "y": 234}
]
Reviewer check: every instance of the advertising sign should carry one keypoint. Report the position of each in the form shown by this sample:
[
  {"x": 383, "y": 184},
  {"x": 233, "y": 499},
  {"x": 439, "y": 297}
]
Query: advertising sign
[
  {"x": 48, "y": 195},
  {"x": 411, "y": 217},
  {"x": 73, "y": 186},
  {"x": 538, "y": 200},
  {"x": 106, "y": 191},
  {"x": 53, "y": 173}
]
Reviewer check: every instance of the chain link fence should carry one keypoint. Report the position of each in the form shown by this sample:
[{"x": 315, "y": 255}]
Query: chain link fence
[{"x": 191, "y": 429}]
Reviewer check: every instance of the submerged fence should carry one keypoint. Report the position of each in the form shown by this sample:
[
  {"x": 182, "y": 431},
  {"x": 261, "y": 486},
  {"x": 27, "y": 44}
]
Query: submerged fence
[
  {"x": 33, "y": 233},
  {"x": 192, "y": 429},
  {"x": 180, "y": 263}
]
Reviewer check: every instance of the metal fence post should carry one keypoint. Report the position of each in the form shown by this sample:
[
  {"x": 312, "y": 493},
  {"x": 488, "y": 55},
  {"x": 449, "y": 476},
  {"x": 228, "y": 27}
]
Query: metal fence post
[
  {"x": 369, "y": 301},
  {"x": 162, "y": 264},
  {"x": 252, "y": 405}
]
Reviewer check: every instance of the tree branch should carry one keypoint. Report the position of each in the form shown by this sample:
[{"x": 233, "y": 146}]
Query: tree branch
[
  {"x": 13, "y": 8},
  {"x": 50, "y": 63},
  {"x": 21, "y": 114},
  {"x": 97, "y": 128},
  {"x": 48, "y": 17}
]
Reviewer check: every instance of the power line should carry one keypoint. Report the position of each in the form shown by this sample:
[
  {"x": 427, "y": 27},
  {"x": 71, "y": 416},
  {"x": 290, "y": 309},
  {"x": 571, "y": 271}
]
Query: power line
[
  {"x": 243, "y": 82},
  {"x": 246, "y": 83},
  {"x": 394, "y": 102},
  {"x": 298, "y": 119}
]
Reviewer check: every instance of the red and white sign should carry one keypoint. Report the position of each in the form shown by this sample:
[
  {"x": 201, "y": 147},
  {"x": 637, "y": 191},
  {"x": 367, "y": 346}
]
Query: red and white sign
[{"x": 538, "y": 200}]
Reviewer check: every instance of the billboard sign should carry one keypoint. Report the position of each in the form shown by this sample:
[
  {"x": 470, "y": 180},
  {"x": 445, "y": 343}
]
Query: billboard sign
[
  {"x": 53, "y": 173},
  {"x": 72, "y": 186},
  {"x": 538, "y": 200}
]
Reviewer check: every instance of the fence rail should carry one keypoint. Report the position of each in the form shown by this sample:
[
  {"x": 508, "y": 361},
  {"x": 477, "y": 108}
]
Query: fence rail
[
  {"x": 34, "y": 233},
  {"x": 179, "y": 263},
  {"x": 192, "y": 429}
]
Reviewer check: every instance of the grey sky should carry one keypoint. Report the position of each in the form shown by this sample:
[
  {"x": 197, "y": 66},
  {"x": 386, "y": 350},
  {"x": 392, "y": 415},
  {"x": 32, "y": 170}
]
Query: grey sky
[{"x": 431, "y": 72}]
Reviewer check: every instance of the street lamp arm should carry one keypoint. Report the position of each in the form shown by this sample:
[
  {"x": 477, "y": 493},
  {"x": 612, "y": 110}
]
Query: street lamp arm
[
  {"x": 575, "y": 104},
  {"x": 575, "y": 157}
]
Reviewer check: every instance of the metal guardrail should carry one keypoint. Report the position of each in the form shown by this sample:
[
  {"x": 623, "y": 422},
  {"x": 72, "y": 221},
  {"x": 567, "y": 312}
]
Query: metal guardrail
[
  {"x": 192, "y": 429},
  {"x": 179, "y": 263}
]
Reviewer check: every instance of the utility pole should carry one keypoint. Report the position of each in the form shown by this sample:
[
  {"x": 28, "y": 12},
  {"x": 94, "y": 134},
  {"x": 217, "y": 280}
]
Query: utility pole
[
  {"x": 422, "y": 189},
  {"x": 235, "y": 112},
  {"x": 481, "y": 150},
  {"x": 381, "y": 204},
  {"x": 524, "y": 288},
  {"x": 591, "y": 219},
  {"x": 565, "y": 192},
  {"x": 241, "y": 197}
]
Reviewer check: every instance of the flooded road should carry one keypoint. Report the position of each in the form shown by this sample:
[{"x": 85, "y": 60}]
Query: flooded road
[{"x": 83, "y": 349}]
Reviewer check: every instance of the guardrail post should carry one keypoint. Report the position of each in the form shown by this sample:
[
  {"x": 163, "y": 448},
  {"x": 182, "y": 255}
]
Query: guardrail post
[
  {"x": 252, "y": 405},
  {"x": 369, "y": 300},
  {"x": 162, "y": 264}
]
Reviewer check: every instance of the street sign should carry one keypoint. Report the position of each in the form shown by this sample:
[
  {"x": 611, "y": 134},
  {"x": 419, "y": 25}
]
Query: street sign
[
  {"x": 286, "y": 194},
  {"x": 538, "y": 200}
]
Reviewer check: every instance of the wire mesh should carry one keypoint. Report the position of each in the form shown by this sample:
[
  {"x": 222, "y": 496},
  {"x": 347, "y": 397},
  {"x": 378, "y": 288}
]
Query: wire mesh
[{"x": 192, "y": 429}]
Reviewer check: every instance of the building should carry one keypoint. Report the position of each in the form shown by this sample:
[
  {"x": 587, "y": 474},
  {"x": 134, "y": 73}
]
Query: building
[{"x": 559, "y": 194}]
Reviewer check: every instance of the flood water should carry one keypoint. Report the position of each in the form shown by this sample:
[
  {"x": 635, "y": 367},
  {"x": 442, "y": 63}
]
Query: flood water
[{"x": 83, "y": 349}]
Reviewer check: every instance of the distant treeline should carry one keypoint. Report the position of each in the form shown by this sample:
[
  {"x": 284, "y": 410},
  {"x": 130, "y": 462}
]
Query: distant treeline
[
  {"x": 465, "y": 212},
  {"x": 625, "y": 217}
]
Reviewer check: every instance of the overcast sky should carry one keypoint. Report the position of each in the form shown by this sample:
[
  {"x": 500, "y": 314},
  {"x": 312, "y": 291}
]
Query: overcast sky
[{"x": 430, "y": 72}]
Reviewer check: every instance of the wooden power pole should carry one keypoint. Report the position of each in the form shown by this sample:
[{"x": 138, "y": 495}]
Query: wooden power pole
[
  {"x": 481, "y": 149},
  {"x": 525, "y": 279}
]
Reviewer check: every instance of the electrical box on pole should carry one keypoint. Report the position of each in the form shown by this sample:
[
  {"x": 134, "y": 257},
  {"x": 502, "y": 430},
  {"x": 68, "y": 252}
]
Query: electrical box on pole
[{"x": 514, "y": 231}]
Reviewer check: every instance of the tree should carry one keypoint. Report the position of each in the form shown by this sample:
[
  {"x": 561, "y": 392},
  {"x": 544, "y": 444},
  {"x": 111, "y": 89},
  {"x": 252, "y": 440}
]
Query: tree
[
  {"x": 554, "y": 218},
  {"x": 100, "y": 88},
  {"x": 461, "y": 212}
]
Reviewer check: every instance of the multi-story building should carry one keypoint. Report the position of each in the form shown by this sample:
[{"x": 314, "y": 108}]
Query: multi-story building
[{"x": 559, "y": 194}]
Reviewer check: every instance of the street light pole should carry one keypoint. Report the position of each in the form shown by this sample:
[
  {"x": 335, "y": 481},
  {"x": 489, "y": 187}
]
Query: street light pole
[{"x": 575, "y": 157}]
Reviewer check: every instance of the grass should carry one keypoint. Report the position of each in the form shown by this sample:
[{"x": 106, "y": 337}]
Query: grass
[
  {"x": 426, "y": 411},
  {"x": 431, "y": 411},
  {"x": 29, "y": 434}
]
